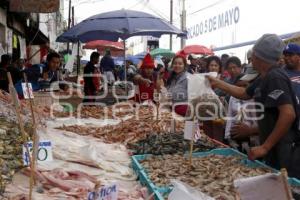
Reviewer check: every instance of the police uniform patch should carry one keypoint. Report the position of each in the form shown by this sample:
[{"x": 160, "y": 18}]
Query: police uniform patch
[{"x": 275, "y": 94}]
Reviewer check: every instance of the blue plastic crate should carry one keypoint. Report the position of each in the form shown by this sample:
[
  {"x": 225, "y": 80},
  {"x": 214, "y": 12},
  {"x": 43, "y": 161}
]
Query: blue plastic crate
[
  {"x": 294, "y": 182},
  {"x": 223, "y": 151},
  {"x": 135, "y": 161},
  {"x": 145, "y": 181}
]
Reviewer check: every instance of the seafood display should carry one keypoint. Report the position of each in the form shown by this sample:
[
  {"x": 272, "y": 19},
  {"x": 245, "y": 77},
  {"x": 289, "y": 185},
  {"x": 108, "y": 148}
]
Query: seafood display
[
  {"x": 212, "y": 174},
  {"x": 72, "y": 183},
  {"x": 10, "y": 152},
  {"x": 116, "y": 111},
  {"x": 112, "y": 159},
  {"x": 92, "y": 152},
  {"x": 59, "y": 183},
  {"x": 128, "y": 131},
  {"x": 159, "y": 144}
]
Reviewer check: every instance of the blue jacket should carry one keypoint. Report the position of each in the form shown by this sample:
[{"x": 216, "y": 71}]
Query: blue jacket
[{"x": 107, "y": 64}]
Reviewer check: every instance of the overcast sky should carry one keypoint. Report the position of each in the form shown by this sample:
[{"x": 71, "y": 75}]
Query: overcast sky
[
  {"x": 161, "y": 8},
  {"x": 87, "y": 8},
  {"x": 256, "y": 16}
]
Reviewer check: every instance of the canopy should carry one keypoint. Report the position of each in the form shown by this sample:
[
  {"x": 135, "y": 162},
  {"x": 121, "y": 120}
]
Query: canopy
[
  {"x": 119, "y": 24},
  {"x": 162, "y": 52},
  {"x": 195, "y": 49}
]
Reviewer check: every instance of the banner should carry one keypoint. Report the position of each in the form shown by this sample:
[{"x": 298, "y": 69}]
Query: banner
[
  {"x": 9, "y": 40},
  {"x": 22, "y": 47},
  {"x": 40, "y": 6}
]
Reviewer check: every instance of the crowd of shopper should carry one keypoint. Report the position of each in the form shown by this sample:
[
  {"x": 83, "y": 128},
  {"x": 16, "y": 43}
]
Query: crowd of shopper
[{"x": 270, "y": 78}]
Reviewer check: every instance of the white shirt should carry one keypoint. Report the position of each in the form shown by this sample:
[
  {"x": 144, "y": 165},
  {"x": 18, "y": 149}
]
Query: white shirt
[{"x": 234, "y": 113}]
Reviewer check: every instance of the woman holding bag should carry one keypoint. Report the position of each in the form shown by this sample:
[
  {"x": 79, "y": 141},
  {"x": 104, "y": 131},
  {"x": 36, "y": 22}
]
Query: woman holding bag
[{"x": 177, "y": 84}]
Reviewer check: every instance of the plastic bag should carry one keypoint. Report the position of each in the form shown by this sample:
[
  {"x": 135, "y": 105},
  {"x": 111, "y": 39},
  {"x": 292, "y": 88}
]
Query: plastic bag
[
  {"x": 205, "y": 103},
  {"x": 183, "y": 191}
]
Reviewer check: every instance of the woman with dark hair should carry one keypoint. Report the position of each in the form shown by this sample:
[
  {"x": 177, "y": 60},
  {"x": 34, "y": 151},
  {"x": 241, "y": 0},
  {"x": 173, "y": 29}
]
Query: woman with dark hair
[
  {"x": 234, "y": 68},
  {"x": 214, "y": 64},
  {"x": 177, "y": 84},
  {"x": 215, "y": 128}
]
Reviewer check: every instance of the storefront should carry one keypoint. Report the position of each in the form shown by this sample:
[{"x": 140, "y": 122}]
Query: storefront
[
  {"x": 236, "y": 22},
  {"x": 2, "y": 30}
]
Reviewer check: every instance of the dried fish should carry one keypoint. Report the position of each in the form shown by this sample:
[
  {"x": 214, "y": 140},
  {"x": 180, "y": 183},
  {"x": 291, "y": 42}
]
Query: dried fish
[
  {"x": 212, "y": 174},
  {"x": 130, "y": 130},
  {"x": 159, "y": 144},
  {"x": 10, "y": 151}
]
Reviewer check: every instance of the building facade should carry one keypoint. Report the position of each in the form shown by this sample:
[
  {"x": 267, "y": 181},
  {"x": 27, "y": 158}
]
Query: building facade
[{"x": 29, "y": 36}]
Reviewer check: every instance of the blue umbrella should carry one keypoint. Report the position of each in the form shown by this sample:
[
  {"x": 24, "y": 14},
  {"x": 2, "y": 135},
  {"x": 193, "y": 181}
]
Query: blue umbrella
[
  {"x": 135, "y": 60},
  {"x": 141, "y": 55},
  {"x": 119, "y": 24}
]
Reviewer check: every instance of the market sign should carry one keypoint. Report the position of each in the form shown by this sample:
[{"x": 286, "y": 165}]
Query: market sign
[
  {"x": 105, "y": 193},
  {"x": 40, "y": 6},
  {"x": 26, "y": 89},
  {"x": 213, "y": 23},
  {"x": 44, "y": 152}
]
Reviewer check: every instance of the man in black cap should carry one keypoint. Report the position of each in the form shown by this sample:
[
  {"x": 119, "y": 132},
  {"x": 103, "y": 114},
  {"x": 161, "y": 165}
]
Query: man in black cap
[{"x": 278, "y": 123}]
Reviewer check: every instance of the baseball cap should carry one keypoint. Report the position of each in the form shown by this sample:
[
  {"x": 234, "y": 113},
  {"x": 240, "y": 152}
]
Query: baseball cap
[
  {"x": 250, "y": 73},
  {"x": 269, "y": 48},
  {"x": 192, "y": 56},
  {"x": 249, "y": 53},
  {"x": 292, "y": 48}
]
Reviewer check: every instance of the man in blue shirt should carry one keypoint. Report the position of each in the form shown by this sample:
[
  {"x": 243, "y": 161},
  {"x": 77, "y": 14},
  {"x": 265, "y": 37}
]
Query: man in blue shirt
[
  {"x": 292, "y": 59},
  {"x": 107, "y": 67}
]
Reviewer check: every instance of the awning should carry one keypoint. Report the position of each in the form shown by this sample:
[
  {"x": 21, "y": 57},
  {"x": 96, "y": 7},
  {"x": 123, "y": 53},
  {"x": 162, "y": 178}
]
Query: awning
[
  {"x": 283, "y": 37},
  {"x": 36, "y": 37},
  {"x": 28, "y": 6}
]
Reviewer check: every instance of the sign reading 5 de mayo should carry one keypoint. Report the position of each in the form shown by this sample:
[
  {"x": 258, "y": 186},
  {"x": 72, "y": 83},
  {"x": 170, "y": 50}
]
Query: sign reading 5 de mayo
[
  {"x": 44, "y": 152},
  {"x": 25, "y": 91},
  {"x": 105, "y": 193}
]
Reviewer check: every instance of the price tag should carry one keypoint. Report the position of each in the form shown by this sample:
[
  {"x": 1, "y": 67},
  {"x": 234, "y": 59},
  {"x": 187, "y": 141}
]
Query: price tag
[
  {"x": 191, "y": 131},
  {"x": 156, "y": 96},
  {"x": 25, "y": 91},
  {"x": 105, "y": 193},
  {"x": 44, "y": 153},
  {"x": 189, "y": 128}
]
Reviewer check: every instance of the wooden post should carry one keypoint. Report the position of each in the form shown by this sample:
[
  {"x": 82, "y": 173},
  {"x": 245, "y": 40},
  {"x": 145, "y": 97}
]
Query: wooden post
[
  {"x": 96, "y": 189},
  {"x": 192, "y": 145},
  {"x": 13, "y": 94},
  {"x": 157, "y": 111},
  {"x": 35, "y": 138},
  {"x": 173, "y": 126},
  {"x": 191, "y": 152},
  {"x": 156, "y": 98},
  {"x": 287, "y": 189}
]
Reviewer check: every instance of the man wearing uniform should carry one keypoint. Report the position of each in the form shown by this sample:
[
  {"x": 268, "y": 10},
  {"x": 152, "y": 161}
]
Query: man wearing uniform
[{"x": 278, "y": 124}]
